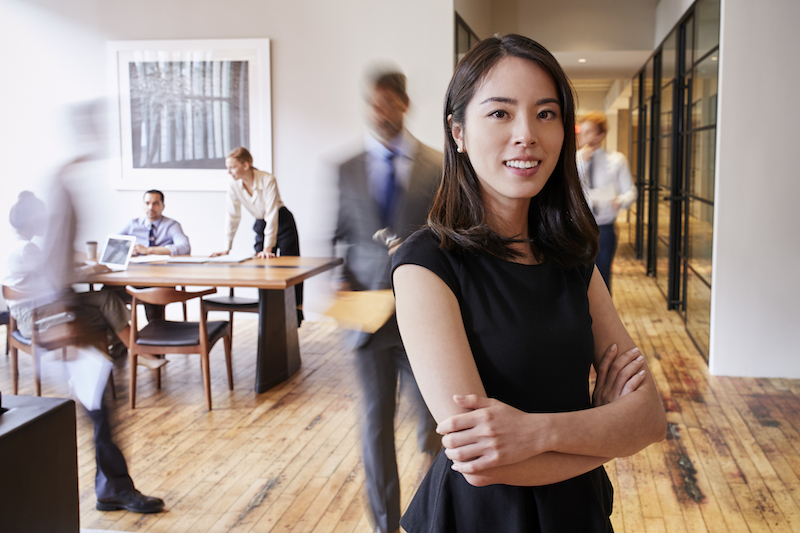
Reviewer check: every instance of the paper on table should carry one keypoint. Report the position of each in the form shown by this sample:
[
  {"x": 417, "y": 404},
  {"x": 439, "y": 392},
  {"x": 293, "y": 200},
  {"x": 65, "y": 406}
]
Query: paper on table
[
  {"x": 363, "y": 311},
  {"x": 148, "y": 258},
  {"x": 186, "y": 259},
  {"x": 230, "y": 258}
]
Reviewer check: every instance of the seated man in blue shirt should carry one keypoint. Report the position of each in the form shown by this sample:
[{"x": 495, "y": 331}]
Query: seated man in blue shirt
[{"x": 156, "y": 234}]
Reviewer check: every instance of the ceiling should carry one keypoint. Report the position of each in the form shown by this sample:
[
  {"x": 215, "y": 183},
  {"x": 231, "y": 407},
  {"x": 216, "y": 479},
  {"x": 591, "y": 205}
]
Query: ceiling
[{"x": 615, "y": 37}]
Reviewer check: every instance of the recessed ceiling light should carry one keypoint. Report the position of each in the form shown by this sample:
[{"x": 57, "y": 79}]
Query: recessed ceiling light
[
  {"x": 713, "y": 58},
  {"x": 582, "y": 60}
]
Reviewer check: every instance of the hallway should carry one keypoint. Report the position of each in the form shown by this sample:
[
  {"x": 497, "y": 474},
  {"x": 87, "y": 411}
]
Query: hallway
[{"x": 289, "y": 459}]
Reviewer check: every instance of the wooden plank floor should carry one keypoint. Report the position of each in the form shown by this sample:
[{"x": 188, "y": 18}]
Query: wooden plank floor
[{"x": 289, "y": 459}]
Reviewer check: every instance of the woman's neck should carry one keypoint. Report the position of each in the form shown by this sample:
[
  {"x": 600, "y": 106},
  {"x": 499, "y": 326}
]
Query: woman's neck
[
  {"x": 248, "y": 179},
  {"x": 511, "y": 221}
]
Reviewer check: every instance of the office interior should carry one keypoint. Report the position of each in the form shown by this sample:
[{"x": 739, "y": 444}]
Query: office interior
[{"x": 700, "y": 97}]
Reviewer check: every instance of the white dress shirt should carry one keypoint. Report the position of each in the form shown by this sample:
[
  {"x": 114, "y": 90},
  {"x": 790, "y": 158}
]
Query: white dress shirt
[
  {"x": 611, "y": 180},
  {"x": 263, "y": 205}
]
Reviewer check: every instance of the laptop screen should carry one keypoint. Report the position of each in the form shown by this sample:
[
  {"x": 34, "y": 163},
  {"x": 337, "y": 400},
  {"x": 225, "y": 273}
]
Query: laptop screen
[{"x": 117, "y": 251}]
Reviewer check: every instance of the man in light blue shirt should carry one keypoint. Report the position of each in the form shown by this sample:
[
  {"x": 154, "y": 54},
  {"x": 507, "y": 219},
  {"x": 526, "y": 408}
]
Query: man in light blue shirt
[{"x": 156, "y": 234}]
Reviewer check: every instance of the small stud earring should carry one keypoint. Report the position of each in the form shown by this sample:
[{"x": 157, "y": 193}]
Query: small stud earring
[{"x": 458, "y": 149}]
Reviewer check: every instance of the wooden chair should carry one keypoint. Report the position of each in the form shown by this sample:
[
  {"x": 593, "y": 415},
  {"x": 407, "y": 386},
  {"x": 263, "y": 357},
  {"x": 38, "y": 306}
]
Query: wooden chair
[
  {"x": 163, "y": 336},
  {"x": 231, "y": 304},
  {"x": 16, "y": 341}
]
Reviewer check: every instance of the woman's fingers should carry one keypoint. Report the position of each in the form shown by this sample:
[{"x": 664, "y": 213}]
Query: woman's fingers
[
  {"x": 465, "y": 453},
  {"x": 633, "y": 383},
  {"x": 631, "y": 370},
  {"x": 617, "y": 373},
  {"x": 605, "y": 364}
]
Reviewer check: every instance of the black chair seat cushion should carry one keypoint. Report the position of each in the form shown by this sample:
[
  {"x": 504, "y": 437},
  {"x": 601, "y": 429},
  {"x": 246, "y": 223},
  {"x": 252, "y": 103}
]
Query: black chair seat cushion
[
  {"x": 166, "y": 333},
  {"x": 21, "y": 338},
  {"x": 224, "y": 302}
]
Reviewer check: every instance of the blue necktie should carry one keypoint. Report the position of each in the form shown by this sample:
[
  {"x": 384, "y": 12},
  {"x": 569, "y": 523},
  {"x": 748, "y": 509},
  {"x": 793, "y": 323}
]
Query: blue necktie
[
  {"x": 152, "y": 235},
  {"x": 387, "y": 200}
]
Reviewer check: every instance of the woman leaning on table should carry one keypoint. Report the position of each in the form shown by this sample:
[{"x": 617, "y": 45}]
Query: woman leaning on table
[
  {"x": 502, "y": 314},
  {"x": 257, "y": 191}
]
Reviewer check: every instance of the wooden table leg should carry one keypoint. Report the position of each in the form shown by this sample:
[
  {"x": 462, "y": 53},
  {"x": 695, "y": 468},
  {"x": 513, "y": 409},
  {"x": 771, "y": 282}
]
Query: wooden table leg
[{"x": 278, "y": 347}]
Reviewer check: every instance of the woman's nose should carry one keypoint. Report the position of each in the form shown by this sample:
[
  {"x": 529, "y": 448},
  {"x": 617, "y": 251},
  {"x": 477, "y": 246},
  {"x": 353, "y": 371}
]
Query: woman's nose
[{"x": 524, "y": 130}]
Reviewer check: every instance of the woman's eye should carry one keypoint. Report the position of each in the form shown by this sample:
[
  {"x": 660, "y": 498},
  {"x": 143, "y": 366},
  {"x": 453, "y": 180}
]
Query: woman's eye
[
  {"x": 547, "y": 113},
  {"x": 498, "y": 114}
]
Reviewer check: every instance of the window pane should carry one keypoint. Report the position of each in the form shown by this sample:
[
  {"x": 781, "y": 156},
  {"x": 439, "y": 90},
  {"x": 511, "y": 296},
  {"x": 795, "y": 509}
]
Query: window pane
[
  {"x": 704, "y": 93},
  {"x": 707, "y": 16},
  {"x": 662, "y": 262},
  {"x": 698, "y": 310},
  {"x": 462, "y": 41},
  {"x": 701, "y": 231},
  {"x": 648, "y": 79},
  {"x": 666, "y": 110},
  {"x": 668, "y": 57},
  {"x": 663, "y": 213},
  {"x": 665, "y": 162},
  {"x": 701, "y": 182}
]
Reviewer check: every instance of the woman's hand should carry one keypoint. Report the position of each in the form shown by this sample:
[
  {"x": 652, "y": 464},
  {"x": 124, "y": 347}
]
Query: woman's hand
[
  {"x": 263, "y": 254},
  {"x": 492, "y": 434},
  {"x": 617, "y": 375},
  {"x": 217, "y": 254}
]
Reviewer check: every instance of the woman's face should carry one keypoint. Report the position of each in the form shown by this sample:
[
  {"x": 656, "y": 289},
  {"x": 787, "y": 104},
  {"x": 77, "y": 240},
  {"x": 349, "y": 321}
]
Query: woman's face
[
  {"x": 512, "y": 132},
  {"x": 237, "y": 169}
]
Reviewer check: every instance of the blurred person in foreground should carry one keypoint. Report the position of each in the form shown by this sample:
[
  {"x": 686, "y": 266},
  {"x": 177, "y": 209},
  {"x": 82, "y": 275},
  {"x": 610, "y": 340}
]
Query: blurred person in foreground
[
  {"x": 607, "y": 183},
  {"x": 52, "y": 285},
  {"x": 387, "y": 187}
]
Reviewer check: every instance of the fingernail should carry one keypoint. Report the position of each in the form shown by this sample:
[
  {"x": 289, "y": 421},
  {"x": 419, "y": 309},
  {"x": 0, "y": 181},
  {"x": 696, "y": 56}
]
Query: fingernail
[
  {"x": 458, "y": 397},
  {"x": 641, "y": 373},
  {"x": 640, "y": 358},
  {"x": 454, "y": 467},
  {"x": 635, "y": 350},
  {"x": 613, "y": 347}
]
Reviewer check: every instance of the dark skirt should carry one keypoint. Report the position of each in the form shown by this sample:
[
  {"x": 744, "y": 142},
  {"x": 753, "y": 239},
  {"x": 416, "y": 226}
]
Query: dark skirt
[{"x": 446, "y": 503}]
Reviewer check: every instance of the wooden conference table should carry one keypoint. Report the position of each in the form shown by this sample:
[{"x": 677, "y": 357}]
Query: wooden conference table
[{"x": 278, "y": 355}]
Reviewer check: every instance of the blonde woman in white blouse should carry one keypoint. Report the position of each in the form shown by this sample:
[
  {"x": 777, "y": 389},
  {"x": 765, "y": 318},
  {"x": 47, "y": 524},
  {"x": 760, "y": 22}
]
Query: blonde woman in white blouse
[{"x": 257, "y": 191}]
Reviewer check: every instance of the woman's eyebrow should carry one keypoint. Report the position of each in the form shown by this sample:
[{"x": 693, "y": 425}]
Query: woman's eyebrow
[{"x": 511, "y": 101}]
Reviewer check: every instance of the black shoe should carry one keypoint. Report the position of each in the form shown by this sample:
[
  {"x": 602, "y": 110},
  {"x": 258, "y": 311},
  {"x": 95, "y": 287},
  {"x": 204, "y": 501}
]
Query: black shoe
[{"x": 133, "y": 501}]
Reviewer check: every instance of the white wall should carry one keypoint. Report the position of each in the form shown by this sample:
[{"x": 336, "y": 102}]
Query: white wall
[
  {"x": 53, "y": 52},
  {"x": 756, "y": 289}
]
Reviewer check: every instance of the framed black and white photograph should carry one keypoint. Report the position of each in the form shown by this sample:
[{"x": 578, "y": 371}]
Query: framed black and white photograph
[{"x": 183, "y": 105}]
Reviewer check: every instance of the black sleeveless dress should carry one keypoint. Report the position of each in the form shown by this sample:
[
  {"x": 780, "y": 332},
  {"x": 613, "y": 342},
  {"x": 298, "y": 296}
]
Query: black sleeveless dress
[{"x": 530, "y": 332}]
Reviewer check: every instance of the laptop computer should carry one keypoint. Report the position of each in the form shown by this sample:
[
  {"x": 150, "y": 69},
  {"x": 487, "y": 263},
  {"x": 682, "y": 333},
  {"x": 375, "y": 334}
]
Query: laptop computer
[{"x": 117, "y": 251}]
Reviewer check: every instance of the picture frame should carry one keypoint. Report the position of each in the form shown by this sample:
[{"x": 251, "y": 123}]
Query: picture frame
[{"x": 179, "y": 106}]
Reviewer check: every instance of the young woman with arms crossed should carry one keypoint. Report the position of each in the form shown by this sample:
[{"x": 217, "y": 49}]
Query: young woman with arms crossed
[{"x": 503, "y": 313}]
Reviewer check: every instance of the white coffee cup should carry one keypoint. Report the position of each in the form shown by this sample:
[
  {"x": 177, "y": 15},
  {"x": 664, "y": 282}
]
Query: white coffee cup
[{"x": 91, "y": 250}]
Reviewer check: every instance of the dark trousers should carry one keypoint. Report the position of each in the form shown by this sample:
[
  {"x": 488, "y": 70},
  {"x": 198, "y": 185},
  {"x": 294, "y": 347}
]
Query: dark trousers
[
  {"x": 151, "y": 311},
  {"x": 288, "y": 244},
  {"x": 112, "y": 477},
  {"x": 381, "y": 363},
  {"x": 605, "y": 255}
]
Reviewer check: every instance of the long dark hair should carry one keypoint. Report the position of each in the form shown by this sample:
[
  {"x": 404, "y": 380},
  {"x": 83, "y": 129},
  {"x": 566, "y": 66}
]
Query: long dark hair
[{"x": 560, "y": 225}]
